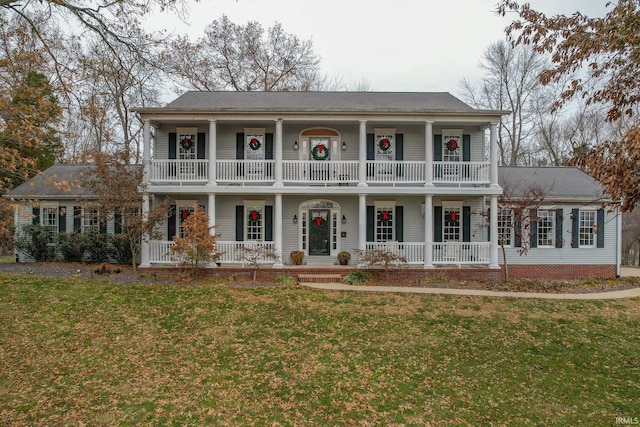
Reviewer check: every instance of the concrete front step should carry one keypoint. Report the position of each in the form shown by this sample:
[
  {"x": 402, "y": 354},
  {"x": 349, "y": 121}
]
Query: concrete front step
[{"x": 319, "y": 278}]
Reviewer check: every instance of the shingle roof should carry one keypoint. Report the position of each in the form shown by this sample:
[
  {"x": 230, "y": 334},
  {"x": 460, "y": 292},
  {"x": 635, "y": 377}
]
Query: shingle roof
[
  {"x": 568, "y": 183},
  {"x": 59, "y": 181},
  {"x": 346, "y": 102}
]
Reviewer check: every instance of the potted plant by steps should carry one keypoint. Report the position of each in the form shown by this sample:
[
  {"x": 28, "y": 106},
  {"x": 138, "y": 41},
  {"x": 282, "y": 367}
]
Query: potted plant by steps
[
  {"x": 344, "y": 257},
  {"x": 296, "y": 257}
]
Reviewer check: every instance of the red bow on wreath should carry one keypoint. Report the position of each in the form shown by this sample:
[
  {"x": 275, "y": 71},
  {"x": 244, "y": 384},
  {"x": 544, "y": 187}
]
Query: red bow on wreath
[
  {"x": 185, "y": 214},
  {"x": 254, "y": 144},
  {"x": 321, "y": 148},
  {"x": 452, "y": 145},
  {"x": 453, "y": 216},
  {"x": 384, "y": 216},
  {"x": 186, "y": 143},
  {"x": 254, "y": 216},
  {"x": 384, "y": 144},
  {"x": 318, "y": 221}
]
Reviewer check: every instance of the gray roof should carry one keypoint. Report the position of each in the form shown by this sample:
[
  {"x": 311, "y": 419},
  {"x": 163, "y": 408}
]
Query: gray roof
[
  {"x": 57, "y": 182},
  {"x": 565, "y": 183},
  {"x": 337, "y": 102}
]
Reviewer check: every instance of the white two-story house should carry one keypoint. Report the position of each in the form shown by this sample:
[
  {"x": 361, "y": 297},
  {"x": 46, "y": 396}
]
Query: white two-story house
[{"x": 325, "y": 172}]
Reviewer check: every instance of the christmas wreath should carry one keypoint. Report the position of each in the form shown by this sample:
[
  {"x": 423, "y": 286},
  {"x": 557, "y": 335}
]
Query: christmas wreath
[
  {"x": 452, "y": 145},
  {"x": 185, "y": 214},
  {"x": 254, "y": 144},
  {"x": 254, "y": 216},
  {"x": 320, "y": 152},
  {"x": 320, "y": 224},
  {"x": 384, "y": 144},
  {"x": 384, "y": 216},
  {"x": 453, "y": 217},
  {"x": 186, "y": 143}
]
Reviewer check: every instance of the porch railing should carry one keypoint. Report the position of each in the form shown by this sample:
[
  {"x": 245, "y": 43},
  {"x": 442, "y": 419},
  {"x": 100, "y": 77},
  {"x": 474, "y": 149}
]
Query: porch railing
[
  {"x": 160, "y": 252},
  {"x": 411, "y": 172},
  {"x": 456, "y": 253},
  {"x": 233, "y": 253},
  {"x": 192, "y": 170},
  {"x": 245, "y": 170},
  {"x": 311, "y": 171},
  {"x": 413, "y": 252},
  {"x": 462, "y": 172}
]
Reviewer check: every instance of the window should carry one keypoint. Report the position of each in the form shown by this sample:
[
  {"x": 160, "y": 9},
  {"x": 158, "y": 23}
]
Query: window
[
  {"x": 254, "y": 220},
  {"x": 384, "y": 223},
  {"x": 546, "y": 228},
  {"x": 505, "y": 227},
  {"x": 586, "y": 228},
  {"x": 451, "y": 222},
  {"x": 183, "y": 214},
  {"x": 451, "y": 145},
  {"x": 50, "y": 222},
  {"x": 90, "y": 223},
  {"x": 187, "y": 142}
]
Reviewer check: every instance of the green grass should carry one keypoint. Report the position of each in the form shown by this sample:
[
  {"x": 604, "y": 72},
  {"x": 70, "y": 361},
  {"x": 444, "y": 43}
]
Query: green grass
[
  {"x": 6, "y": 258},
  {"x": 101, "y": 353}
]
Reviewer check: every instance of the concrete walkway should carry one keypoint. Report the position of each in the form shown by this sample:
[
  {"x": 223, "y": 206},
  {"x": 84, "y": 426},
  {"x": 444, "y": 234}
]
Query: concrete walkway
[{"x": 627, "y": 293}]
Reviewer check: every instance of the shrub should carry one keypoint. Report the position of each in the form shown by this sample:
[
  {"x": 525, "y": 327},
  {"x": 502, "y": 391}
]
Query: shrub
[
  {"x": 284, "y": 280},
  {"x": 356, "y": 278},
  {"x": 33, "y": 240},
  {"x": 72, "y": 246},
  {"x": 121, "y": 249},
  {"x": 99, "y": 248}
]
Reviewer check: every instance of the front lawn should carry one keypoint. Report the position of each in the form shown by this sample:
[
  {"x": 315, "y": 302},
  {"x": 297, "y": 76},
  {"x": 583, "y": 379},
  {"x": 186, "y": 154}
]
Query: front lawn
[{"x": 73, "y": 352}]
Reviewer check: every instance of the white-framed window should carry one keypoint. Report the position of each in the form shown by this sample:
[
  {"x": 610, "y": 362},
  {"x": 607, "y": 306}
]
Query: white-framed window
[
  {"x": 385, "y": 221},
  {"x": 587, "y": 228},
  {"x": 385, "y": 144},
  {"x": 187, "y": 139},
  {"x": 451, "y": 223},
  {"x": 254, "y": 220},
  {"x": 546, "y": 228},
  {"x": 451, "y": 145},
  {"x": 505, "y": 227},
  {"x": 184, "y": 208},
  {"x": 90, "y": 221},
  {"x": 49, "y": 219}
]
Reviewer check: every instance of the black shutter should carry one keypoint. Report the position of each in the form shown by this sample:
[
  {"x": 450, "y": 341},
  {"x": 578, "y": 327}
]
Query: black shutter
[
  {"x": 36, "y": 215},
  {"x": 575, "y": 228},
  {"x": 371, "y": 223},
  {"x": 62, "y": 219},
  {"x": 437, "y": 148},
  {"x": 77, "y": 218},
  {"x": 171, "y": 222},
  {"x": 371, "y": 151},
  {"x": 268, "y": 223},
  {"x": 533, "y": 221},
  {"x": 172, "y": 145},
  {"x": 239, "y": 223},
  {"x": 466, "y": 223},
  {"x": 268, "y": 146},
  {"x": 103, "y": 227},
  {"x": 600, "y": 224},
  {"x": 399, "y": 219},
  {"x": 117, "y": 222},
  {"x": 466, "y": 148},
  {"x": 399, "y": 153},
  {"x": 517, "y": 229},
  {"x": 437, "y": 223},
  {"x": 559, "y": 220},
  {"x": 200, "y": 145},
  {"x": 240, "y": 153}
]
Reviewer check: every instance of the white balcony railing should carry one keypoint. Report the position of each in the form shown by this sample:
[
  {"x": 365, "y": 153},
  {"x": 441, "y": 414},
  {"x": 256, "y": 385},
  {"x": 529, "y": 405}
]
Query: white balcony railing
[
  {"x": 457, "y": 253},
  {"x": 195, "y": 170},
  {"x": 413, "y": 252},
  {"x": 326, "y": 172},
  {"x": 160, "y": 251},
  {"x": 462, "y": 172},
  {"x": 395, "y": 171},
  {"x": 245, "y": 170}
]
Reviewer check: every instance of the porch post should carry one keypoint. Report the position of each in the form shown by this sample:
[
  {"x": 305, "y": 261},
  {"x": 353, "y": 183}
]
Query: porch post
[
  {"x": 428, "y": 231},
  {"x": 146, "y": 153},
  {"x": 493, "y": 155},
  {"x": 212, "y": 152},
  {"x": 362, "y": 222},
  {"x": 493, "y": 223},
  {"x": 211, "y": 210},
  {"x": 278, "y": 154},
  {"x": 144, "y": 245},
  {"x": 277, "y": 229},
  {"x": 428, "y": 155},
  {"x": 362, "y": 156}
]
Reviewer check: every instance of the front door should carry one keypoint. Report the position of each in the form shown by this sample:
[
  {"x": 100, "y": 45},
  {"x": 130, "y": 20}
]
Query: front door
[{"x": 319, "y": 232}]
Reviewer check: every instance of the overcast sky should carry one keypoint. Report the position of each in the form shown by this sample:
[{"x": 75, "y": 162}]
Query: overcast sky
[{"x": 399, "y": 45}]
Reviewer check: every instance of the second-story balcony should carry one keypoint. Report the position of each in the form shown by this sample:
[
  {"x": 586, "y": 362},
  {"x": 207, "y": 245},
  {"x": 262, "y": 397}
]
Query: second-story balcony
[{"x": 311, "y": 172}]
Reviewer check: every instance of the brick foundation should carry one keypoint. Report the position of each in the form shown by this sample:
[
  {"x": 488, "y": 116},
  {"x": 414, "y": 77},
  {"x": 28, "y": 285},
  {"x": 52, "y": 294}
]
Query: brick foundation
[{"x": 562, "y": 271}]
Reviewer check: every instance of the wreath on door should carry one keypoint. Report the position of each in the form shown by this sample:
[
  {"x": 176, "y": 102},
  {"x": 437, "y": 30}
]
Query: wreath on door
[
  {"x": 186, "y": 143},
  {"x": 384, "y": 216},
  {"x": 254, "y": 144},
  {"x": 320, "y": 152},
  {"x": 452, "y": 145},
  {"x": 384, "y": 144},
  {"x": 254, "y": 216},
  {"x": 320, "y": 225}
]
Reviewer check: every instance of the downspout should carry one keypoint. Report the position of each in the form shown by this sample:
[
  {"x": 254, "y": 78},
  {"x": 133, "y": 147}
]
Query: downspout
[{"x": 618, "y": 240}]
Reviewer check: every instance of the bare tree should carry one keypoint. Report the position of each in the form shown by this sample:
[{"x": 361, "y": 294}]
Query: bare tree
[
  {"x": 255, "y": 254},
  {"x": 383, "y": 257},
  {"x": 243, "y": 58},
  {"x": 510, "y": 83}
]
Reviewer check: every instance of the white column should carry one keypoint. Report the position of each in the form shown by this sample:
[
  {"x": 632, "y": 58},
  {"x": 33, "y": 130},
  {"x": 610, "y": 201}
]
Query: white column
[
  {"x": 362, "y": 221},
  {"x": 493, "y": 224},
  {"x": 362, "y": 156},
  {"x": 146, "y": 153},
  {"x": 277, "y": 229},
  {"x": 493, "y": 155},
  {"x": 144, "y": 245},
  {"x": 211, "y": 210},
  {"x": 428, "y": 231},
  {"x": 212, "y": 151},
  {"x": 428, "y": 154},
  {"x": 278, "y": 154}
]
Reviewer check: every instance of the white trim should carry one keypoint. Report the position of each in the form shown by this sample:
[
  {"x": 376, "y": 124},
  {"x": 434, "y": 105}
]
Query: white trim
[
  {"x": 384, "y": 204},
  {"x": 187, "y": 131},
  {"x": 255, "y": 131}
]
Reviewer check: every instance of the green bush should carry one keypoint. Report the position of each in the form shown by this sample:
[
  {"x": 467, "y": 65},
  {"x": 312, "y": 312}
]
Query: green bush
[
  {"x": 33, "y": 240},
  {"x": 356, "y": 278},
  {"x": 72, "y": 246},
  {"x": 99, "y": 248},
  {"x": 284, "y": 280},
  {"x": 121, "y": 249}
]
